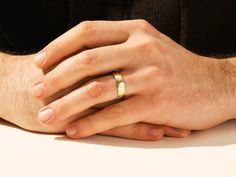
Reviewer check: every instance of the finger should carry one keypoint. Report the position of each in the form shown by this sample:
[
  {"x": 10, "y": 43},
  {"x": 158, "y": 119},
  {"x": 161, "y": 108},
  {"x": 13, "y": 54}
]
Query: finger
[
  {"x": 97, "y": 91},
  {"x": 176, "y": 132},
  {"x": 123, "y": 113},
  {"x": 89, "y": 34},
  {"x": 88, "y": 63},
  {"x": 139, "y": 131}
]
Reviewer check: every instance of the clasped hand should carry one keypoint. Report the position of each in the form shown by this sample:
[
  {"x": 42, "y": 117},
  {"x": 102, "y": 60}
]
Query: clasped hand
[{"x": 166, "y": 85}]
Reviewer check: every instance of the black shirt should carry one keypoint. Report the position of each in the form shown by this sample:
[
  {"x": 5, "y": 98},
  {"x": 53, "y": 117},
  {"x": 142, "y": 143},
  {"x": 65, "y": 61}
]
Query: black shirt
[{"x": 205, "y": 27}]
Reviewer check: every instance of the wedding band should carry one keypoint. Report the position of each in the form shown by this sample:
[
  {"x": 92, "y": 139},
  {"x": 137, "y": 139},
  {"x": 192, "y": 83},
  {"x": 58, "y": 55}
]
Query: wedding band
[{"x": 120, "y": 84}]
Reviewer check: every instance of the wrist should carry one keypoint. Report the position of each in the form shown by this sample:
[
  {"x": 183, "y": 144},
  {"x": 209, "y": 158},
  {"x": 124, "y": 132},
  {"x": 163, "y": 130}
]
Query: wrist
[
  {"x": 226, "y": 77},
  {"x": 231, "y": 79}
]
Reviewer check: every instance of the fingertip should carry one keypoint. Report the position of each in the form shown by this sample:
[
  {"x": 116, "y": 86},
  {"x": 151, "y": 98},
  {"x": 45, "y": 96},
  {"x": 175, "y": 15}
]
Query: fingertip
[
  {"x": 156, "y": 133},
  {"x": 176, "y": 132},
  {"x": 72, "y": 131},
  {"x": 182, "y": 133},
  {"x": 185, "y": 133},
  {"x": 38, "y": 90},
  {"x": 46, "y": 115},
  {"x": 40, "y": 59}
]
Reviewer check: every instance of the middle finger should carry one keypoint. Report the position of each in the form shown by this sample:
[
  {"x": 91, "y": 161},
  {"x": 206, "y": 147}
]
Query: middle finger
[
  {"x": 97, "y": 91},
  {"x": 88, "y": 63}
]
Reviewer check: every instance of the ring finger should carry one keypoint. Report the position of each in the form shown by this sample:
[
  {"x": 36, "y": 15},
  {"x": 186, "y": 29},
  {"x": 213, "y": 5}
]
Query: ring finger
[
  {"x": 88, "y": 63},
  {"x": 98, "y": 91}
]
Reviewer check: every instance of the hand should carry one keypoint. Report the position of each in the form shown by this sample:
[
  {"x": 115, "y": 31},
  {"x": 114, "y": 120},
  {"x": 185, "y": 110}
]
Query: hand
[
  {"x": 18, "y": 73},
  {"x": 18, "y": 106},
  {"x": 165, "y": 83}
]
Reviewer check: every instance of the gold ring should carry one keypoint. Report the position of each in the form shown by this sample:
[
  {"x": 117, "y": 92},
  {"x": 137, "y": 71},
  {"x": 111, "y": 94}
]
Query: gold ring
[{"x": 120, "y": 84}]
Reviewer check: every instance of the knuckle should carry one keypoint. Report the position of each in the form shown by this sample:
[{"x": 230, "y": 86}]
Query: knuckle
[
  {"x": 86, "y": 27},
  {"x": 155, "y": 101},
  {"x": 143, "y": 25},
  {"x": 53, "y": 48},
  {"x": 148, "y": 46},
  {"x": 151, "y": 73},
  {"x": 115, "y": 113},
  {"x": 86, "y": 126},
  {"x": 95, "y": 89},
  {"x": 62, "y": 108},
  {"x": 120, "y": 49},
  {"x": 52, "y": 79},
  {"x": 143, "y": 132},
  {"x": 159, "y": 133},
  {"x": 137, "y": 131},
  {"x": 160, "y": 76},
  {"x": 134, "y": 107},
  {"x": 88, "y": 59}
]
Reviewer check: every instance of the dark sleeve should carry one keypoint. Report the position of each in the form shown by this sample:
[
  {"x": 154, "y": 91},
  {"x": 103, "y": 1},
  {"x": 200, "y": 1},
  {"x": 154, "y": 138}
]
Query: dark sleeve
[
  {"x": 26, "y": 26},
  {"x": 212, "y": 27}
]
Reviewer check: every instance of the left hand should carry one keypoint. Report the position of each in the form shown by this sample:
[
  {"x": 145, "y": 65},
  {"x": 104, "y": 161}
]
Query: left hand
[{"x": 165, "y": 83}]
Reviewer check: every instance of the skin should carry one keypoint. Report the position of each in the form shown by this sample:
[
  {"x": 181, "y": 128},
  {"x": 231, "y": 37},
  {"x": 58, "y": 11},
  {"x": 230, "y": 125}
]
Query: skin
[
  {"x": 165, "y": 83},
  {"x": 18, "y": 106}
]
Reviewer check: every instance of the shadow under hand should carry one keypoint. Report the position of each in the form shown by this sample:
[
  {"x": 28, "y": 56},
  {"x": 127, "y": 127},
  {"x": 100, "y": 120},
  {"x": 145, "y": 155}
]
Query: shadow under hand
[
  {"x": 222, "y": 135},
  {"x": 7, "y": 124}
]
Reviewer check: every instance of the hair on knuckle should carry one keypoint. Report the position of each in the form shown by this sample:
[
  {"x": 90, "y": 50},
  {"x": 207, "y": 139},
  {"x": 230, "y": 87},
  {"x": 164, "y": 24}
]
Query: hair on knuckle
[
  {"x": 115, "y": 113},
  {"x": 89, "y": 59}
]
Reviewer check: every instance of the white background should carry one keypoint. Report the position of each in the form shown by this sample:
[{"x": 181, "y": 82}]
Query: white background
[{"x": 211, "y": 153}]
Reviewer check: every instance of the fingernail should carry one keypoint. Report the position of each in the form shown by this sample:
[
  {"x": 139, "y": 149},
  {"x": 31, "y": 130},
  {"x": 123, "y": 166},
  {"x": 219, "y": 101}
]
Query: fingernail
[
  {"x": 182, "y": 132},
  {"x": 45, "y": 115},
  {"x": 40, "y": 58},
  {"x": 155, "y": 132},
  {"x": 71, "y": 131},
  {"x": 38, "y": 90}
]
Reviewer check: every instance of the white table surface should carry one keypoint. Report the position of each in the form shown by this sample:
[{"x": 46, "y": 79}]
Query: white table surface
[{"x": 211, "y": 153}]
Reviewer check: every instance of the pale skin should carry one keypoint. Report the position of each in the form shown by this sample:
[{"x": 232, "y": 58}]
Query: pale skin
[
  {"x": 165, "y": 83},
  {"x": 18, "y": 106}
]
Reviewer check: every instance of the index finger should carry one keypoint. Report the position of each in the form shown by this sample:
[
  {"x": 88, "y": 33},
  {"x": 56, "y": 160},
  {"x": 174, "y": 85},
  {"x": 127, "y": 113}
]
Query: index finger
[{"x": 88, "y": 34}]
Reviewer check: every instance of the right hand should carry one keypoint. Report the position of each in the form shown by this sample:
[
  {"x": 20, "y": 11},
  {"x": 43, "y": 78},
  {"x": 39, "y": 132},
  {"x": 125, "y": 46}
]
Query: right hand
[{"x": 20, "y": 107}]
